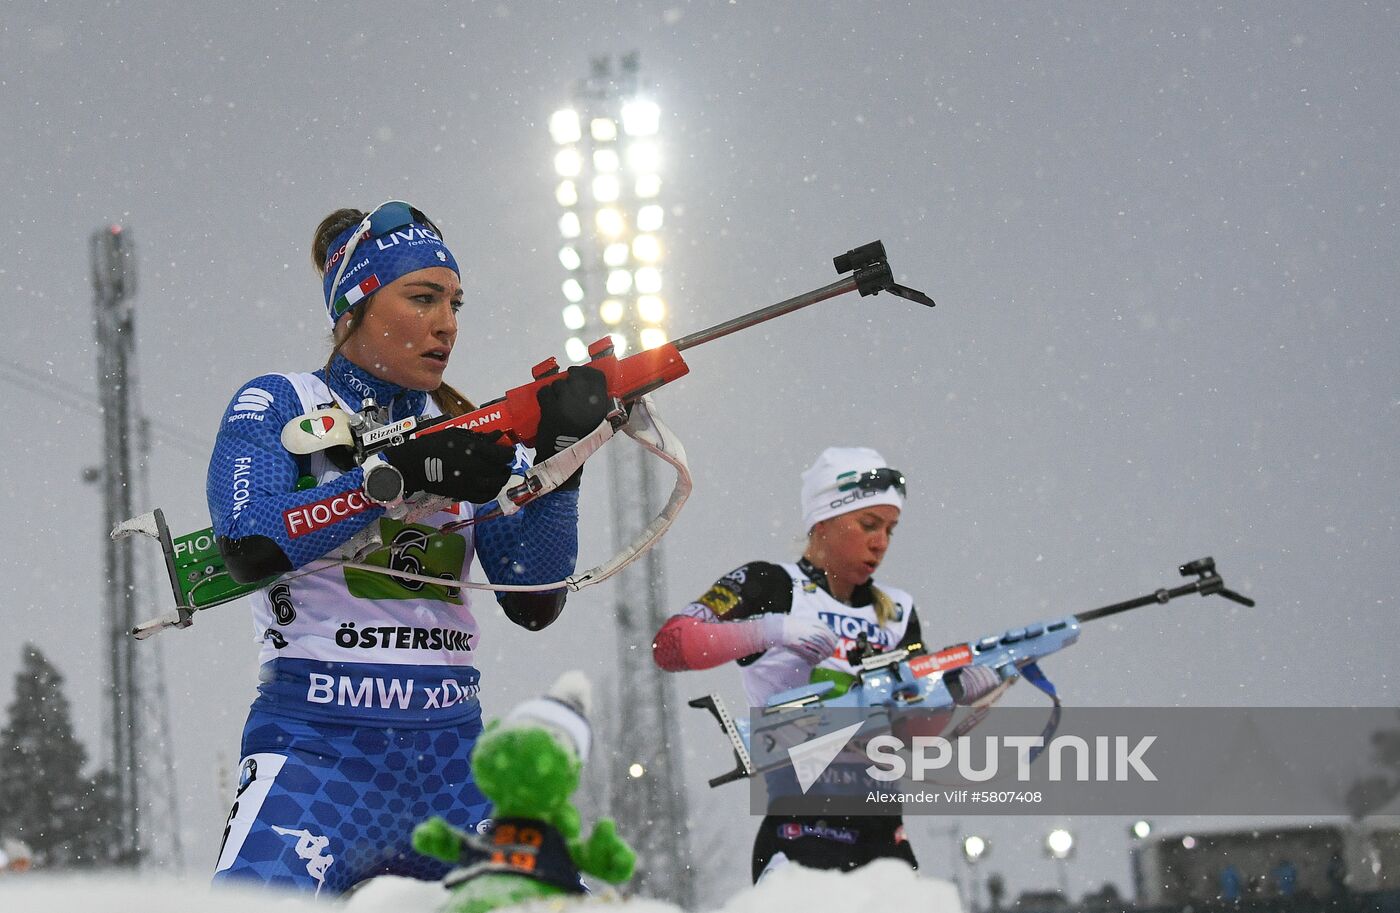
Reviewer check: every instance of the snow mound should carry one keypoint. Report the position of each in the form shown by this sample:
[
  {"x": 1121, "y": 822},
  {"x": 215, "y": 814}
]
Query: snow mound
[{"x": 887, "y": 884}]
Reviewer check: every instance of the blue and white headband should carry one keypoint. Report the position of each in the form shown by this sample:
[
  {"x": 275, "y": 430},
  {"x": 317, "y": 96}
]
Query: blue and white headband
[{"x": 386, "y": 245}]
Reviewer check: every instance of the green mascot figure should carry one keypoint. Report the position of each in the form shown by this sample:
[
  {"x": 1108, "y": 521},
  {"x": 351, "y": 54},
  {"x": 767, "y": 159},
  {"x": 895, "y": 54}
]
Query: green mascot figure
[{"x": 528, "y": 766}]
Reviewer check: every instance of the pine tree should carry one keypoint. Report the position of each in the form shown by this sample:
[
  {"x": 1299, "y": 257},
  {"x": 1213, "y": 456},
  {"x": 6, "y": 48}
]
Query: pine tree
[
  {"x": 1369, "y": 794},
  {"x": 45, "y": 800}
]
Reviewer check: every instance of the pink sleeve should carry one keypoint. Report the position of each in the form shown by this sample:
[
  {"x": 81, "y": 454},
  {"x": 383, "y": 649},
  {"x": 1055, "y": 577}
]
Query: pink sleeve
[{"x": 687, "y": 643}]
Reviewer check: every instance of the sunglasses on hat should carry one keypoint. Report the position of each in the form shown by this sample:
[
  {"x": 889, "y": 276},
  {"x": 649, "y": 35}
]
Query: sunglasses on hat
[{"x": 872, "y": 480}]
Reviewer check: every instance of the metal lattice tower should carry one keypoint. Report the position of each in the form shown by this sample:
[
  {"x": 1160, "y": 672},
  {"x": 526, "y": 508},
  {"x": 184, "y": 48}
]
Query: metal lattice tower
[
  {"x": 607, "y": 160},
  {"x": 137, "y": 712},
  {"x": 114, "y": 280}
]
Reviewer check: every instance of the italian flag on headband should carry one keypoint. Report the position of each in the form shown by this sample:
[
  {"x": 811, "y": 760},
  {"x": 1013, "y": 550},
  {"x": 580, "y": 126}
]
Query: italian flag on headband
[{"x": 352, "y": 296}]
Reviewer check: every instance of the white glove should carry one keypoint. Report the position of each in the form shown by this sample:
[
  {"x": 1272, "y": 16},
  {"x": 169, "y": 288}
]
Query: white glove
[
  {"x": 971, "y": 683},
  {"x": 810, "y": 639}
]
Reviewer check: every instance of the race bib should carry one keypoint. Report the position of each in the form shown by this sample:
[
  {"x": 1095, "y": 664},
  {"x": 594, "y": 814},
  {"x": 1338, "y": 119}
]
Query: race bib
[{"x": 414, "y": 549}]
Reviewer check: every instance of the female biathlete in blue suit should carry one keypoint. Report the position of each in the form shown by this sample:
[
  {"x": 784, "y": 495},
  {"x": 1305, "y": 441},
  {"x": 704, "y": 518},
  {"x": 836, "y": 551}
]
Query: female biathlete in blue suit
[{"x": 367, "y": 698}]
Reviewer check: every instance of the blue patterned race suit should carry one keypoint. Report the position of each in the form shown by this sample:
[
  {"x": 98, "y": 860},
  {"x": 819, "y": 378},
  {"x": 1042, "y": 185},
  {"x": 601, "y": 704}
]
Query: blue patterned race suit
[{"x": 367, "y": 707}]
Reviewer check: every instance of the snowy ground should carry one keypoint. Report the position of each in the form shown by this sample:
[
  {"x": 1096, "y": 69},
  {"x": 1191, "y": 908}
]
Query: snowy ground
[{"x": 894, "y": 885}]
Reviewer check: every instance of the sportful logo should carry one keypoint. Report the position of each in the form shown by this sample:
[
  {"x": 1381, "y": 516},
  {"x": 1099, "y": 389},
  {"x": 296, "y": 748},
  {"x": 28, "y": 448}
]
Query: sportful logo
[
  {"x": 432, "y": 469},
  {"x": 251, "y": 404},
  {"x": 253, "y": 399},
  {"x": 356, "y": 268}
]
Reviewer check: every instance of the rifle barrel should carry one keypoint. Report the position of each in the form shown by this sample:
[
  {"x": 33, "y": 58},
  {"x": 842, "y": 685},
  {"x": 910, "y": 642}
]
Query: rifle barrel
[
  {"x": 1162, "y": 596},
  {"x": 744, "y": 321}
]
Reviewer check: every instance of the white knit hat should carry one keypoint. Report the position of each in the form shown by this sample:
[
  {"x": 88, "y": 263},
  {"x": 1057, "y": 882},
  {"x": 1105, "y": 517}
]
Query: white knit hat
[
  {"x": 563, "y": 710},
  {"x": 829, "y": 489}
]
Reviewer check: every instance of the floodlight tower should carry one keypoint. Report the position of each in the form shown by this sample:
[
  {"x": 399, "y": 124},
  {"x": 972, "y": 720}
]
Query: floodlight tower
[
  {"x": 114, "y": 281},
  {"x": 607, "y": 159}
]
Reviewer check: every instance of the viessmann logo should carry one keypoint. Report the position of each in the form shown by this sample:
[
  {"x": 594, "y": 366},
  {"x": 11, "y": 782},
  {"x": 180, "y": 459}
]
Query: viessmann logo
[{"x": 310, "y": 517}]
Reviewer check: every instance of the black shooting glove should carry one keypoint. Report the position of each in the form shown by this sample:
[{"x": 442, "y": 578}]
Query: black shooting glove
[
  {"x": 455, "y": 463},
  {"x": 569, "y": 409}
]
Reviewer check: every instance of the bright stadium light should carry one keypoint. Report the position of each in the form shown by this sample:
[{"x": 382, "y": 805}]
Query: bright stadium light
[
  {"x": 622, "y": 183},
  {"x": 568, "y": 162},
  {"x": 608, "y": 156},
  {"x": 610, "y": 222},
  {"x": 604, "y": 129},
  {"x": 610, "y": 311},
  {"x": 575, "y": 349},
  {"x": 643, "y": 158},
  {"x": 651, "y": 308},
  {"x": 564, "y": 126},
  {"x": 574, "y": 318},
  {"x": 605, "y": 161},
  {"x": 1059, "y": 843},
  {"x": 619, "y": 282},
  {"x": 974, "y": 848},
  {"x": 615, "y": 254},
  {"x": 641, "y": 118},
  {"x": 1141, "y": 830},
  {"x": 646, "y": 248},
  {"x": 649, "y": 218},
  {"x": 648, "y": 280},
  {"x": 606, "y": 188}
]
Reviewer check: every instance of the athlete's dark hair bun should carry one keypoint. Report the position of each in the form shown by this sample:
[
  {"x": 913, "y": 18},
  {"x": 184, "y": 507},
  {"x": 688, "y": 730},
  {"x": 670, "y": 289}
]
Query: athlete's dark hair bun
[{"x": 326, "y": 232}]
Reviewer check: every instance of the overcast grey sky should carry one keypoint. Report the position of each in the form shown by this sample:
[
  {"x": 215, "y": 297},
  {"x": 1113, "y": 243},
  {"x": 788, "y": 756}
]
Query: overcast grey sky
[{"x": 1162, "y": 237}]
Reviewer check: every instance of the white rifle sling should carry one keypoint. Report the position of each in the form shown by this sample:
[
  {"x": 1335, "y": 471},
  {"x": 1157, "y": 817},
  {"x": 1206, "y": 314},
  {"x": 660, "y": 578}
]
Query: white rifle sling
[{"x": 645, "y": 427}]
